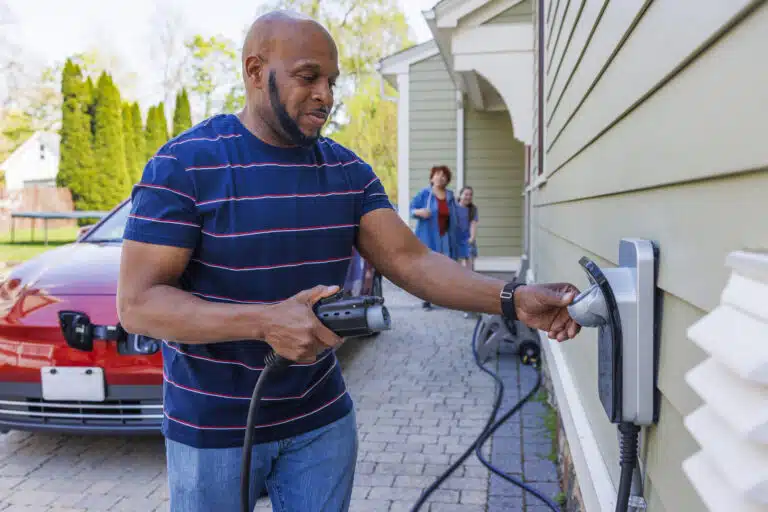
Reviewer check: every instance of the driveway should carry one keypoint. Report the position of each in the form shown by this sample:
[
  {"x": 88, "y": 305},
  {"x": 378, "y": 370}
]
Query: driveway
[{"x": 420, "y": 400}]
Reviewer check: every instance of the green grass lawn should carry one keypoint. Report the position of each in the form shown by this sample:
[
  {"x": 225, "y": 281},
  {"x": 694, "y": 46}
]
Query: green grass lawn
[{"x": 26, "y": 247}]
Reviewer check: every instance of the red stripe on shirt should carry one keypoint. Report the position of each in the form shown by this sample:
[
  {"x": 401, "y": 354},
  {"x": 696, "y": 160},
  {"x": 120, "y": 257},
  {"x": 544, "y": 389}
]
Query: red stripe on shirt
[
  {"x": 280, "y": 196},
  {"x": 277, "y": 230},
  {"x": 266, "y": 164},
  {"x": 152, "y": 219},
  {"x": 272, "y": 267},
  {"x": 263, "y": 425}
]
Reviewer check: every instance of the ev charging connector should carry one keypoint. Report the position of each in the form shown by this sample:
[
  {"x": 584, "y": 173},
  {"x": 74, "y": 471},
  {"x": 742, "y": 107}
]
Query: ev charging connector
[
  {"x": 622, "y": 304},
  {"x": 347, "y": 317}
]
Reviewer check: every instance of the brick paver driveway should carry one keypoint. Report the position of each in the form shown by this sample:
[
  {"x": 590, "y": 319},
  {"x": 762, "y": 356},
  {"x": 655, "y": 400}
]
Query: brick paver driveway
[{"x": 420, "y": 402}]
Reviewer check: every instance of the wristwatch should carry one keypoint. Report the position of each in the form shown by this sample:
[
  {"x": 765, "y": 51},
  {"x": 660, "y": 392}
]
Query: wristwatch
[{"x": 507, "y": 297}]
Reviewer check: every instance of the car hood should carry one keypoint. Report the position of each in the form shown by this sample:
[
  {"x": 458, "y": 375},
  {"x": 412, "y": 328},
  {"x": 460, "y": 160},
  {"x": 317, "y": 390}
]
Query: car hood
[{"x": 74, "y": 269}]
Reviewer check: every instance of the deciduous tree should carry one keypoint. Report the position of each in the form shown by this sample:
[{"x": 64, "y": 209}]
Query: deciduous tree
[
  {"x": 213, "y": 69},
  {"x": 371, "y": 132}
]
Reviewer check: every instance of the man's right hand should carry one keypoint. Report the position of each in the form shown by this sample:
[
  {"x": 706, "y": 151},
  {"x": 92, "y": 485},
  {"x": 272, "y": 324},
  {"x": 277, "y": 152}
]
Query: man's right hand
[
  {"x": 424, "y": 213},
  {"x": 294, "y": 331}
]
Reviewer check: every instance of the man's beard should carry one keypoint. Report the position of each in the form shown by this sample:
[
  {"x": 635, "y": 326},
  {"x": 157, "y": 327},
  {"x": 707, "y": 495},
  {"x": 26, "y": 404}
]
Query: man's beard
[{"x": 288, "y": 125}]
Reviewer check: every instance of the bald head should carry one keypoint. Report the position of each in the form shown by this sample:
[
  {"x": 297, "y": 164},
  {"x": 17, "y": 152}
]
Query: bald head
[
  {"x": 290, "y": 67},
  {"x": 272, "y": 30}
]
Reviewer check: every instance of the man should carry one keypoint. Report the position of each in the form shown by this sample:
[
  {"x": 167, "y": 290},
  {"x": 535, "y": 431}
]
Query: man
[{"x": 237, "y": 227}]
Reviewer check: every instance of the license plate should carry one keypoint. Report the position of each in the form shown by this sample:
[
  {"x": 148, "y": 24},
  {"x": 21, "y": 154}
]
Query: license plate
[{"x": 82, "y": 383}]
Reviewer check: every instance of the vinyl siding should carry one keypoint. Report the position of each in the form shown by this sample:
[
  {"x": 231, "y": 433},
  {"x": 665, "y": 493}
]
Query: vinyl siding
[
  {"x": 654, "y": 129},
  {"x": 494, "y": 169},
  {"x": 432, "y": 105}
]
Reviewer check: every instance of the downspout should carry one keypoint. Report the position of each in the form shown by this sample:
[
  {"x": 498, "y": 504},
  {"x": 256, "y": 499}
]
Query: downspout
[
  {"x": 527, "y": 265},
  {"x": 460, "y": 177},
  {"x": 540, "y": 98}
]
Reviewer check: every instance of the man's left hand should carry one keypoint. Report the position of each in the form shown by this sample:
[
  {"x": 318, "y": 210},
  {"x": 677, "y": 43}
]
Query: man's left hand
[{"x": 544, "y": 307}]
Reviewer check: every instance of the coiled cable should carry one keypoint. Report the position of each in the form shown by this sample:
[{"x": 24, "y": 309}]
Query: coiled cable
[{"x": 490, "y": 427}]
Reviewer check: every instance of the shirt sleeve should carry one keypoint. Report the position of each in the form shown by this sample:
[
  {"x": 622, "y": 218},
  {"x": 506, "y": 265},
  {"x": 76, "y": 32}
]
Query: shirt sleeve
[
  {"x": 374, "y": 196},
  {"x": 163, "y": 209}
]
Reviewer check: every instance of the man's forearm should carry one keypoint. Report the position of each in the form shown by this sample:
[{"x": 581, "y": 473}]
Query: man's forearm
[
  {"x": 165, "y": 312},
  {"x": 442, "y": 281}
]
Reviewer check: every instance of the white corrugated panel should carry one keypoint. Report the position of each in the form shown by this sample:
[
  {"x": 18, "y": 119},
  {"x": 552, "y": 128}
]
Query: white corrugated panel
[
  {"x": 716, "y": 385},
  {"x": 730, "y": 472},
  {"x": 709, "y": 484},
  {"x": 742, "y": 463}
]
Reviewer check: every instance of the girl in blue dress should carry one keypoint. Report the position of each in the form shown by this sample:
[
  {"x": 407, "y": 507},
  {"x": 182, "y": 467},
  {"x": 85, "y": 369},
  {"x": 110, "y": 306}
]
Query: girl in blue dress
[{"x": 466, "y": 212}]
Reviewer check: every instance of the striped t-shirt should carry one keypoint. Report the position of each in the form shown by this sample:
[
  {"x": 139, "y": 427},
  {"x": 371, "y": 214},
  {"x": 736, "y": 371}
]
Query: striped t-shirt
[{"x": 264, "y": 223}]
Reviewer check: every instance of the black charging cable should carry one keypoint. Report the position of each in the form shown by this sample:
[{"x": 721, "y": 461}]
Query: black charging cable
[
  {"x": 347, "y": 317},
  {"x": 629, "y": 434},
  {"x": 272, "y": 363},
  {"x": 491, "y": 426},
  {"x": 453, "y": 467}
]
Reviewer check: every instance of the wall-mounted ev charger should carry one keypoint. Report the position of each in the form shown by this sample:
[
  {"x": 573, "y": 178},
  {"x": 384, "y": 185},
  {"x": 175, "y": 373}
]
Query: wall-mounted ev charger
[{"x": 622, "y": 303}]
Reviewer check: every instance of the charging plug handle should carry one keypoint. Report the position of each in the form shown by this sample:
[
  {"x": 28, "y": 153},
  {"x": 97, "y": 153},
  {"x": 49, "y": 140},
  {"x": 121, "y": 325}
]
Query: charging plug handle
[
  {"x": 346, "y": 316},
  {"x": 589, "y": 309},
  {"x": 353, "y": 316}
]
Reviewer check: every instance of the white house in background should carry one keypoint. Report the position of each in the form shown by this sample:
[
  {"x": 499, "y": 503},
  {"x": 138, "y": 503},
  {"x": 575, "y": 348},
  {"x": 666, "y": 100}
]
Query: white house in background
[{"x": 34, "y": 163}]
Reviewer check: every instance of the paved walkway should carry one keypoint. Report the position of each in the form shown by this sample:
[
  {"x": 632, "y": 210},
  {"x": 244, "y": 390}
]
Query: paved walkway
[{"x": 420, "y": 398}]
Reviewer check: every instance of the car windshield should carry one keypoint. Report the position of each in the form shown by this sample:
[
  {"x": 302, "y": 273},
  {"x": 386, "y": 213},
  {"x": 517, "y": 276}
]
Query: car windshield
[{"x": 111, "y": 230}]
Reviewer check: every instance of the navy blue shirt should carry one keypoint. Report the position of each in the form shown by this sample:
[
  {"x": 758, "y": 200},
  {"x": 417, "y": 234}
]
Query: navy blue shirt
[{"x": 264, "y": 223}]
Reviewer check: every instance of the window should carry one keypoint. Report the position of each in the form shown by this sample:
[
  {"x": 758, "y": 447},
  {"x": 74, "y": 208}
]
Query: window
[{"x": 111, "y": 230}]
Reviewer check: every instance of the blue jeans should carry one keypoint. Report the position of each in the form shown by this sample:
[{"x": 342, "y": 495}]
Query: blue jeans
[{"x": 310, "y": 472}]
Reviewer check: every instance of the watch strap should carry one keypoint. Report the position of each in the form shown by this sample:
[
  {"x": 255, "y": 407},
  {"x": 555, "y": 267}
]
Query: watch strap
[{"x": 507, "y": 296}]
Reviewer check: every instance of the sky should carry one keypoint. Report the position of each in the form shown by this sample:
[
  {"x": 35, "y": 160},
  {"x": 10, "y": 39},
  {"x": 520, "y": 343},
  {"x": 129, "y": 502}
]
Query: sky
[{"x": 51, "y": 30}]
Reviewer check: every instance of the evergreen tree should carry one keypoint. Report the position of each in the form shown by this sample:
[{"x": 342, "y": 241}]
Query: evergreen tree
[
  {"x": 76, "y": 164},
  {"x": 88, "y": 101},
  {"x": 150, "y": 134},
  {"x": 111, "y": 183},
  {"x": 162, "y": 123},
  {"x": 137, "y": 131},
  {"x": 182, "y": 115},
  {"x": 156, "y": 133},
  {"x": 129, "y": 141}
]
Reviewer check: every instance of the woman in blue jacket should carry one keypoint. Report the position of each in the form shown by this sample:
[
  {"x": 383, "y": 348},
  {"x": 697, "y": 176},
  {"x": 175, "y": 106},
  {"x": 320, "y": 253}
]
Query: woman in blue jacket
[{"x": 434, "y": 207}]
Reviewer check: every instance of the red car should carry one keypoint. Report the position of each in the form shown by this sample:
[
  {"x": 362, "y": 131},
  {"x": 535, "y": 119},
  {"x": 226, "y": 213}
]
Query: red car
[{"x": 115, "y": 384}]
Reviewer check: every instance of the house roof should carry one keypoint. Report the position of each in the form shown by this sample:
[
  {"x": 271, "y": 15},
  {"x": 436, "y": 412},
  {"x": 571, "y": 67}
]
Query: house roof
[
  {"x": 48, "y": 139},
  {"x": 400, "y": 62}
]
